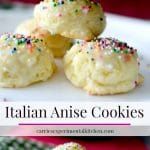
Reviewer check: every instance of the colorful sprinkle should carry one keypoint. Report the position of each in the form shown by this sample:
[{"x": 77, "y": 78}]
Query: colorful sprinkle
[
  {"x": 101, "y": 19},
  {"x": 14, "y": 50},
  {"x": 19, "y": 40},
  {"x": 116, "y": 45},
  {"x": 76, "y": 10},
  {"x": 92, "y": 59},
  {"x": 109, "y": 46},
  {"x": 86, "y": 9},
  {"x": 136, "y": 83},
  {"x": 59, "y": 15}
]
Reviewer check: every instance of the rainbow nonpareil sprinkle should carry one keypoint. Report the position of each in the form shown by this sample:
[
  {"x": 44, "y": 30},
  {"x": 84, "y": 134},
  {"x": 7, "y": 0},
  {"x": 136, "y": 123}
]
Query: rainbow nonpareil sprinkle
[
  {"x": 115, "y": 45},
  {"x": 17, "y": 40}
]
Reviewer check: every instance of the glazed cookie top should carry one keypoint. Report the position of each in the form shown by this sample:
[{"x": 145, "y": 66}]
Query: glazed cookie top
[
  {"x": 56, "y": 3},
  {"x": 79, "y": 19},
  {"x": 70, "y": 146},
  {"x": 14, "y": 43},
  {"x": 106, "y": 47}
]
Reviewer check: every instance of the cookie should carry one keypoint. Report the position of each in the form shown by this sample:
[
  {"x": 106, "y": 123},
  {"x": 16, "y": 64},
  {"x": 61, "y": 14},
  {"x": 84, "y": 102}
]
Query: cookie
[
  {"x": 69, "y": 146},
  {"x": 23, "y": 61},
  {"x": 103, "y": 66},
  {"x": 56, "y": 43},
  {"x": 76, "y": 19}
]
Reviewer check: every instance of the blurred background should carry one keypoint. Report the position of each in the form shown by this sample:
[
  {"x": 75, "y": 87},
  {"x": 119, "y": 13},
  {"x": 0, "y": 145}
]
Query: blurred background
[{"x": 132, "y": 8}]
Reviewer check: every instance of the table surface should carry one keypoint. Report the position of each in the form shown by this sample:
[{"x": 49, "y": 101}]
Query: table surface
[{"x": 131, "y": 30}]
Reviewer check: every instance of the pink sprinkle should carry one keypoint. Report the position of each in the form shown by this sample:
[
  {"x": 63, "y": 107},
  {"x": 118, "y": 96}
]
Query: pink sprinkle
[
  {"x": 29, "y": 46},
  {"x": 59, "y": 15},
  {"x": 86, "y": 9}
]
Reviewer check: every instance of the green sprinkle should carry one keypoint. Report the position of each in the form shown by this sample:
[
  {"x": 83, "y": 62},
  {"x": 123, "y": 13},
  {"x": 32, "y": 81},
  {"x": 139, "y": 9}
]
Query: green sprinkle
[
  {"x": 36, "y": 40},
  {"x": 39, "y": 49},
  {"x": 19, "y": 42},
  {"x": 116, "y": 51},
  {"x": 126, "y": 51},
  {"x": 76, "y": 10},
  {"x": 54, "y": 4},
  {"x": 23, "y": 40},
  {"x": 78, "y": 42}
]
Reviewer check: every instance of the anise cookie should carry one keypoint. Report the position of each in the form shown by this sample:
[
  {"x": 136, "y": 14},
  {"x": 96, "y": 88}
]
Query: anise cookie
[
  {"x": 103, "y": 66},
  {"x": 24, "y": 60},
  {"x": 56, "y": 43},
  {"x": 76, "y": 19},
  {"x": 69, "y": 146}
]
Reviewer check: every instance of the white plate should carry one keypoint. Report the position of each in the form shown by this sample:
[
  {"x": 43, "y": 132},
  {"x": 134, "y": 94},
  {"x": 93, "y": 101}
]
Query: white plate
[{"x": 135, "y": 32}]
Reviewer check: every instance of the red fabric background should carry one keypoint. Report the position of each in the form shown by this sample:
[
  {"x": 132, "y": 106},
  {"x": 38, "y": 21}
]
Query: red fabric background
[
  {"x": 134, "y": 8},
  {"x": 118, "y": 143}
]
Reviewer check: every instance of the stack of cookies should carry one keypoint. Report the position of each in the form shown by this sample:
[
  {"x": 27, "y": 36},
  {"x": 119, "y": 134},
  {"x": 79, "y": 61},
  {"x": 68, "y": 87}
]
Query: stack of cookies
[{"x": 70, "y": 29}]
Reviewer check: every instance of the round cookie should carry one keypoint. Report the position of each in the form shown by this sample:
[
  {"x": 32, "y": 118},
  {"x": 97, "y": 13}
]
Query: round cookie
[
  {"x": 103, "y": 66},
  {"x": 69, "y": 146},
  {"x": 58, "y": 44},
  {"x": 23, "y": 61},
  {"x": 77, "y": 19}
]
